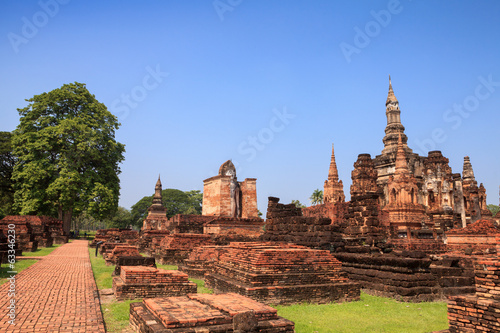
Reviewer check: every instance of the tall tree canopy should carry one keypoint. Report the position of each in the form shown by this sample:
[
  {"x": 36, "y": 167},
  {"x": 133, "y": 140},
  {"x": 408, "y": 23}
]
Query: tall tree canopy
[
  {"x": 67, "y": 155},
  {"x": 7, "y": 162},
  {"x": 176, "y": 201}
]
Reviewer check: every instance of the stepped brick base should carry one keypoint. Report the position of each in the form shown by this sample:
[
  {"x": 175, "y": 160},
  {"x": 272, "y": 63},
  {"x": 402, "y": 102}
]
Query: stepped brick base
[
  {"x": 121, "y": 251},
  {"x": 206, "y": 313},
  {"x": 133, "y": 261},
  {"x": 147, "y": 282},
  {"x": 281, "y": 274}
]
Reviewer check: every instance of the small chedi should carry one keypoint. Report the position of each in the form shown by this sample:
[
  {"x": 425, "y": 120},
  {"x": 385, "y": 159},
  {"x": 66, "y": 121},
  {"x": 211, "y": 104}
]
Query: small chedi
[
  {"x": 280, "y": 273},
  {"x": 206, "y": 313},
  {"x": 157, "y": 213},
  {"x": 148, "y": 282}
]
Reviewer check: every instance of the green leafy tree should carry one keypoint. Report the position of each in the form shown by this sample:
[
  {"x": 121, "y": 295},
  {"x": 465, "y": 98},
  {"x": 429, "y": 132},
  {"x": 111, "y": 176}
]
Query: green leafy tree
[
  {"x": 316, "y": 197},
  {"x": 298, "y": 204},
  {"x": 176, "y": 202},
  {"x": 493, "y": 209},
  {"x": 7, "y": 162},
  {"x": 67, "y": 156},
  {"x": 122, "y": 219}
]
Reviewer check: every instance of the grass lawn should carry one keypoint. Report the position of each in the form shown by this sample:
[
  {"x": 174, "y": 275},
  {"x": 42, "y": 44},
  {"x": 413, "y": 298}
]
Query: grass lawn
[
  {"x": 370, "y": 314},
  {"x": 20, "y": 265},
  {"x": 43, "y": 251}
]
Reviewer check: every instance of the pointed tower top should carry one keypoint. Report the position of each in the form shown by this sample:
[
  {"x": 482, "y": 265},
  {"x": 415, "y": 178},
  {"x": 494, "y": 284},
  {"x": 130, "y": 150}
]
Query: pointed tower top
[
  {"x": 401, "y": 163},
  {"x": 333, "y": 173},
  {"x": 157, "y": 196},
  {"x": 158, "y": 183},
  {"x": 390, "y": 96},
  {"x": 468, "y": 173}
]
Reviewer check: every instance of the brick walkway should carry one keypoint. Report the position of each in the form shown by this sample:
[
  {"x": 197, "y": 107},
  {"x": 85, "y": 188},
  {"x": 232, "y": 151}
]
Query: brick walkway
[{"x": 56, "y": 294}]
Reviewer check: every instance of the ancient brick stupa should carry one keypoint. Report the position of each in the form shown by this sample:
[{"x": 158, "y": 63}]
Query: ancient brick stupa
[
  {"x": 281, "y": 273},
  {"x": 157, "y": 213},
  {"x": 333, "y": 188},
  {"x": 403, "y": 213}
]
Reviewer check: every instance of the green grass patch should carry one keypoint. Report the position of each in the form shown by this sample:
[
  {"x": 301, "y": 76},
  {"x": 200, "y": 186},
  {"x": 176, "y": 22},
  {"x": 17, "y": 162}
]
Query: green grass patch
[
  {"x": 370, "y": 314},
  {"x": 43, "y": 251},
  {"x": 167, "y": 267},
  {"x": 116, "y": 315},
  {"x": 19, "y": 267},
  {"x": 201, "y": 287},
  {"x": 102, "y": 273}
]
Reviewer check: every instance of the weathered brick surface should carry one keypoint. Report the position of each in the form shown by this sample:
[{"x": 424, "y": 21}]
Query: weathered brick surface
[
  {"x": 187, "y": 223},
  {"x": 121, "y": 251},
  {"x": 479, "y": 236},
  {"x": 414, "y": 279},
  {"x": 133, "y": 261},
  {"x": 56, "y": 294},
  {"x": 147, "y": 282},
  {"x": 201, "y": 260},
  {"x": 175, "y": 248},
  {"x": 206, "y": 313},
  {"x": 285, "y": 223},
  {"x": 150, "y": 238},
  {"x": 281, "y": 274},
  {"x": 25, "y": 238},
  {"x": 116, "y": 235}
]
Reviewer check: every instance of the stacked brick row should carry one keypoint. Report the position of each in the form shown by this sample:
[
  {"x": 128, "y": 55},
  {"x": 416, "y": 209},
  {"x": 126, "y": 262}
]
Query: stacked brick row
[
  {"x": 285, "y": 223},
  {"x": 280, "y": 274},
  {"x": 479, "y": 312},
  {"x": 187, "y": 224},
  {"x": 25, "y": 239},
  {"x": 476, "y": 237},
  {"x": 147, "y": 238},
  {"x": 120, "y": 251},
  {"x": 127, "y": 236},
  {"x": 4, "y": 248},
  {"x": 133, "y": 261},
  {"x": 147, "y": 282},
  {"x": 206, "y": 313},
  {"x": 176, "y": 247},
  {"x": 42, "y": 234},
  {"x": 201, "y": 260}
]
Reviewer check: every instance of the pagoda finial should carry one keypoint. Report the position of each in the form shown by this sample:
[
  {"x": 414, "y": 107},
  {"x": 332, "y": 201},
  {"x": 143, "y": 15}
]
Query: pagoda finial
[
  {"x": 333, "y": 173},
  {"x": 157, "y": 196},
  {"x": 390, "y": 96},
  {"x": 468, "y": 172}
]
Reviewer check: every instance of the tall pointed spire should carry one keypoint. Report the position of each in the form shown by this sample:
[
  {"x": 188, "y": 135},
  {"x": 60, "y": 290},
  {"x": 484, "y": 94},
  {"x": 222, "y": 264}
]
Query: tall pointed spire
[
  {"x": 333, "y": 173},
  {"x": 401, "y": 163},
  {"x": 157, "y": 199},
  {"x": 468, "y": 173},
  {"x": 394, "y": 127}
]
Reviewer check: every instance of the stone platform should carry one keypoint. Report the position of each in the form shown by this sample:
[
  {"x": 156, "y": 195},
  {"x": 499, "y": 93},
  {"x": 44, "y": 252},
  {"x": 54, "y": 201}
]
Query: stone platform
[
  {"x": 176, "y": 247},
  {"x": 201, "y": 260},
  {"x": 206, "y": 313},
  {"x": 120, "y": 251},
  {"x": 281, "y": 274},
  {"x": 133, "y": 261},
  {"x": 148, "y": 282}
]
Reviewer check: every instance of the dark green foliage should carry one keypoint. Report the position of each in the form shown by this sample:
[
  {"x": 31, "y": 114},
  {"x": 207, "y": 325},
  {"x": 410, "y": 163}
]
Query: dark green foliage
[
  {"x": 121, "y": 219},
  {"x": 298, "y": 204},
  {"x": 67, "y": 155},
  {"x": 316, "y": 197},
  {"x": 7, "y": 162},
  {"x": 493, "y": 209},
  {"x": 176, "y": 201}
]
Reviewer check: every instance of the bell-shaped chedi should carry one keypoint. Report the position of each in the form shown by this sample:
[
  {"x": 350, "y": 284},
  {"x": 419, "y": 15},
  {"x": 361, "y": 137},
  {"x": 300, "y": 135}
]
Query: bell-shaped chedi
[
  {"x": 157, "y": 213},
  {"x": 225, "y": 196},
  {"x": 333, "y": 190}
]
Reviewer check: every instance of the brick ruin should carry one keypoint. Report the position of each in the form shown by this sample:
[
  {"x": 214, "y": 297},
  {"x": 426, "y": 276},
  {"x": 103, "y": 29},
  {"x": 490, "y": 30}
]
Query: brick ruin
[
  {"x": 285, "y": 223},
  {"x": 206, "y": 313},
  {"x": 118, "y": 251},
  {"x": 25, "y": 238},
  {"x": 224, "y": 195},
  {"x": 116, "y": 235},
  {"x": 479, "y": 312},
  {"x": 149, "y": 282},
  {"x": 280, "y": 273},
  {"x": 175, "y": 248},
  {"x": 477, "y": 238},
  {"x": 133, "y": 261},
  {"x": 201, "y": 260},
  {"x": 148, "y": 240}
]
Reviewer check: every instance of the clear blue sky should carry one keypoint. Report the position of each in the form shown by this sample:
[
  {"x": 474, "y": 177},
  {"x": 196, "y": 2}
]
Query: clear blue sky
[{"x": 195, "y": 83}]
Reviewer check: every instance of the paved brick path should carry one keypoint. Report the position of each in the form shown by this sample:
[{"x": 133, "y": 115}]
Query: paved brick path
[{"x": 55, "y": 294}]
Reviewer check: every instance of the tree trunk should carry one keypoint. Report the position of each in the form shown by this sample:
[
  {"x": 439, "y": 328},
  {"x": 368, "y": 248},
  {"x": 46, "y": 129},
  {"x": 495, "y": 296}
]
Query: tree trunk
[{"x": 67, "y": 220}]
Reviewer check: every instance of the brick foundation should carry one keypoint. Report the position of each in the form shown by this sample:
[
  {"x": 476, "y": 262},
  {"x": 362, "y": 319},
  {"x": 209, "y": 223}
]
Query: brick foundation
[
  {"x": 147, "y": 282},
  {"x": 121, "y": 251},
  {"x": 133, "y": 261},
  {"x": 175, "y": 248},
  {"x": 201, "y": 260},
  {"x": 281, "y": 274},
  {"x": 206, "y": 313}
]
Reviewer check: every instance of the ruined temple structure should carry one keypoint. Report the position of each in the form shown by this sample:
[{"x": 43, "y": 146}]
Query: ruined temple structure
[
  {"x": 280, "y": 273},
  {"x": 157, "y": 213},
  {"x": 400, "y": 194},
  {"x": 206, "y": 313},
  {"x": 224, "y": 195}
]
